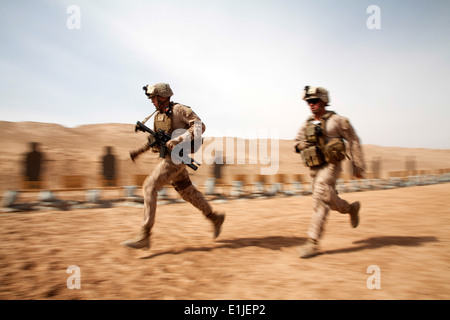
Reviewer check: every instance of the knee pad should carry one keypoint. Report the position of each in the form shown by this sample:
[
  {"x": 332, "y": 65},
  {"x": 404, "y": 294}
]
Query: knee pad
[{"x": 182, "y": 184}]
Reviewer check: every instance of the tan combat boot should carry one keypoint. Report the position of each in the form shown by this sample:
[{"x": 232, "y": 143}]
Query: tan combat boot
[
  {"x": 141, "y": 242},
  {"x": 217, "y": 220},
  {"x": 310, "y": 249},
  {"x": 354, "y": 213}
]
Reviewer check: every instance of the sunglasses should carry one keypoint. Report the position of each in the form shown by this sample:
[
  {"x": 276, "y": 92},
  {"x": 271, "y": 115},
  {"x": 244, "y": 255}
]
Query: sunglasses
[{"x": 313, "y": 101}]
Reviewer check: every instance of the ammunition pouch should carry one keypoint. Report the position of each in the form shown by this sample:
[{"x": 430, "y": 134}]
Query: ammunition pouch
[
  {"x": 312, "y": 156},
  {"x": 334, "y": 151},
  {"x": 313, "y": 132}
]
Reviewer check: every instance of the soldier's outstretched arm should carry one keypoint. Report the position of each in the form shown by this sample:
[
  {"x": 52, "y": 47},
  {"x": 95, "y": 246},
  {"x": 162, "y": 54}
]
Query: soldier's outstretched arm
[
  {"x": 355, "y": 148},
  {"x": 136, "y": 153}
]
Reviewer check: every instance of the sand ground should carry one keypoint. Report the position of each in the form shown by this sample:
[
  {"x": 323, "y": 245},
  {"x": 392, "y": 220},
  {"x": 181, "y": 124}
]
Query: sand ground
[{"x": 404, "y": 232}]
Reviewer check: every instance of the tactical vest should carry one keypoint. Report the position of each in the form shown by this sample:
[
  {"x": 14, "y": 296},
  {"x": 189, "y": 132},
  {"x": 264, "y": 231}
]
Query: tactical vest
[
  {"x": 164, "y": 120},
  {"x": 321, "y": 152}
]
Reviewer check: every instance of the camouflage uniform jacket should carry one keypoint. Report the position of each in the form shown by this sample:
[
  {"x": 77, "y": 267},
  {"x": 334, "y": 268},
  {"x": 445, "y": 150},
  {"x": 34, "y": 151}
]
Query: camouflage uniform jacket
[
  {"x": 338, "y": 127},
  {"x": 185, "y": 124}
]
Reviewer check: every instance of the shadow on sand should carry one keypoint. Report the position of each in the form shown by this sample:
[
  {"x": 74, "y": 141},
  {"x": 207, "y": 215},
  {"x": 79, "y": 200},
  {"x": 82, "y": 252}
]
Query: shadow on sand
[
  {"x": 272, "y": 243},
  {"x": 279, "y": 242},
  {"x": 384, "y": 241}
]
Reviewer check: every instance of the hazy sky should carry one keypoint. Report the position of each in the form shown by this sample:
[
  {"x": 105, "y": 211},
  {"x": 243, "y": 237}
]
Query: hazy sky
[{"x": 240, "y": 64}]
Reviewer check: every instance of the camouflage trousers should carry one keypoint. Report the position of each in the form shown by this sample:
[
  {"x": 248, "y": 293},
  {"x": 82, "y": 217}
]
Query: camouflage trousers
[
  {"x": 167, "y": 172},
  {"x": 325, "y": 197}
]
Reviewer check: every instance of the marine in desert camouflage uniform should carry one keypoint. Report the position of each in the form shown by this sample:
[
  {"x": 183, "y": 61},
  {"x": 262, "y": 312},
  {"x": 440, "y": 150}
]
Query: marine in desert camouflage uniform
[
  {"x": 321, "y": 143},
  {"x": 184, "y": 125}
]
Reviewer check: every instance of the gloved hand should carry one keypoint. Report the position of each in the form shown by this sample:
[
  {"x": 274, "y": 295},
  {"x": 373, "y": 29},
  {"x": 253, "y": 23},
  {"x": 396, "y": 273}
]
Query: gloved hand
[
  {"x": 151, "y": 140},
  {"x": 302, "y": 145},
  {"x": 134, "y": 155},
  {"x": 171, "y": 144},
  {"x": 358, "y": 172}
]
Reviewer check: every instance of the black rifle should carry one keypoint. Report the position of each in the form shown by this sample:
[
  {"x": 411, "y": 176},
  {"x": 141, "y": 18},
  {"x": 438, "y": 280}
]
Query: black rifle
[{"x": 160, "y": 138}]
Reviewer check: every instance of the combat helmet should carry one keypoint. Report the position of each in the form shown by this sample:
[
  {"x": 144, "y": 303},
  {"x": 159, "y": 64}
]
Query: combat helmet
[
  {"x": 315, "y": 93},
  {"x": 159, "y": 89}
]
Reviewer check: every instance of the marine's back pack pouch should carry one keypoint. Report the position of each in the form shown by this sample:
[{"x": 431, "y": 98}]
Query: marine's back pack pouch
[
  {"x": 334, "y": 150},
  {"x": 312, "y": 156}
]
